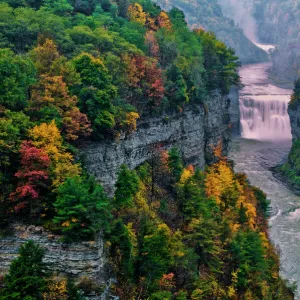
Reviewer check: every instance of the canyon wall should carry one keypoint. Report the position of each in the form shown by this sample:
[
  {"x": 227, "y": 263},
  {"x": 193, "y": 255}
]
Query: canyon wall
[
  {"x": 294, "y": 113},
  {"x": 234, "y": 110},
  {"x": 80, "y": 261},
  {"x": 194, "y": 131}
]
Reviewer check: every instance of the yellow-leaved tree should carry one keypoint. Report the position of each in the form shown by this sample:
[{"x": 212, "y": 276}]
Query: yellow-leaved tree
[
  {"x": 48, "y": 137},
  {"x": 135, "y": 13}
]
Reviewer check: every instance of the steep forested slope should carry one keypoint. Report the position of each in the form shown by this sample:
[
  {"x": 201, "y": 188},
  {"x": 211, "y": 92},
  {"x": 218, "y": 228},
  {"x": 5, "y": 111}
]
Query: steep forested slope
[
  {"x": 278, "y": 23},
  {"x": 208, "y": 15},
  {"x": 291, "y": 168},
  {"x": 73, "y": 73}
]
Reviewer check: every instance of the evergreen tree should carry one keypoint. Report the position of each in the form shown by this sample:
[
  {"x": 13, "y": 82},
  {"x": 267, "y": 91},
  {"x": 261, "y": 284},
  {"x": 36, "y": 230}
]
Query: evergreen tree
[
  {"x": 16, "y": 75},
  {"x": 82, "y": 208},
  {"x": 176, "y": 86},
  {"x": 175, "y": 163},
  {"x": 26, "y": 277},
  {"x": 126, "y": 187}
]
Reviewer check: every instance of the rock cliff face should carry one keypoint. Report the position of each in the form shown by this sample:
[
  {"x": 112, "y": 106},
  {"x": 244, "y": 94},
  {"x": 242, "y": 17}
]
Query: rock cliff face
[
  {"x": 294, "y": 113},
  {"x": 194, "y": 131},
  {"x": 76, "y": 260},
  {"x": 234, "y": 111}
]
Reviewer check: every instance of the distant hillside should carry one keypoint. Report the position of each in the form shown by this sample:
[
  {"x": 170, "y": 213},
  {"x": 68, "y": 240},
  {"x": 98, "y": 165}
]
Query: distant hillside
[
  {"x": 208, "y": 14},
  {"x": 279, "y": 23}
]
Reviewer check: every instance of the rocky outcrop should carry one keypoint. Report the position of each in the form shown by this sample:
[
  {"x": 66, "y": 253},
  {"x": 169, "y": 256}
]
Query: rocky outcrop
[
  {"x": 294, "y": 112},
  {"x": 194, "y": 131},
  {"x": 234, "y": 111},
  {"x": 80, "y": 261}
]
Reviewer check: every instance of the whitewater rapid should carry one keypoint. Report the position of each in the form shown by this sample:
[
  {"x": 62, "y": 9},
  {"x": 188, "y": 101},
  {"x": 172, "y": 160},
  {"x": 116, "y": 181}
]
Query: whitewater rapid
[{"x": 265, "y": 143}]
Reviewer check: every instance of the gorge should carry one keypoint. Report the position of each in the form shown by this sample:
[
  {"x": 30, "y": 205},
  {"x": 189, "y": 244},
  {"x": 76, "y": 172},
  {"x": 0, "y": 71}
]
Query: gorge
[
  {"x": 118, "y": 176},
  {"x": 265, "y": 143}
]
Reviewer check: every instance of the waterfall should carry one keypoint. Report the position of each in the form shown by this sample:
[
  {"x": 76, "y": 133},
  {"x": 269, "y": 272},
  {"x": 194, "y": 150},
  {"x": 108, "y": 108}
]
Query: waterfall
[
  {"x": 263, "y": 106},
  {"x": 265, "y": 117}
]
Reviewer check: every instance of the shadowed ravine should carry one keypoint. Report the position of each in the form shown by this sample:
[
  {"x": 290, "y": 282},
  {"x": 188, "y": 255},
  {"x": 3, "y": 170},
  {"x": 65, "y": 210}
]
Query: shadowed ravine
[{"x": 265, "y": 143}]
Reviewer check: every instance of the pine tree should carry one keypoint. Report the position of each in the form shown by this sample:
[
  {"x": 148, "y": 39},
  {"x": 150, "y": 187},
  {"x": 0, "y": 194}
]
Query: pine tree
[
  {"x": 175, "y": 163},
  {"x": 26, "y": 277},
  {"x": 127, "y": 185},
  {"x": 82, "y": 208}
]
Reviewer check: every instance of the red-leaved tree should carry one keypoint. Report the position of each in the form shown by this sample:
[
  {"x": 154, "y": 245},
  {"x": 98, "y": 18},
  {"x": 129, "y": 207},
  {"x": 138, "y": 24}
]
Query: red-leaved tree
[
  {"x": 146, "y": 81},
  {"x": 32, "y": 179}
]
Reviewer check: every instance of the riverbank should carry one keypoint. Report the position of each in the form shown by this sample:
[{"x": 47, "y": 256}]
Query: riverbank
[{"x": 256, "y": 159}]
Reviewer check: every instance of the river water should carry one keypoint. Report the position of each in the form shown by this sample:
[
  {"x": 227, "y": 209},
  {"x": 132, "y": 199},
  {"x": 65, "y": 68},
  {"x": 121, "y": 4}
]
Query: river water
[{"x": 265, "y": 143}]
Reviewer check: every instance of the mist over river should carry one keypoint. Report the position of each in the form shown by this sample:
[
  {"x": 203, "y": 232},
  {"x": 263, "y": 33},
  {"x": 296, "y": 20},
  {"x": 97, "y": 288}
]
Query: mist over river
[{"x": 265, "y": 143}]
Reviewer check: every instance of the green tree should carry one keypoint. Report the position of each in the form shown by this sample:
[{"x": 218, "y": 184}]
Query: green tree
[
  {"x": 126, "y": 187},
  {"x": 176, "y": 88},
  {"x": 58, "y": 7},
  {"x": 27, "y": 273},
  {"x": 156, "y": 253},
  {"x": 82, "y": 208},
  {"x": 163, "y": 295},
  {"x": 248, "y": 257},
  {"x": 96, "y": 93},
  {"x": 16, "y": 75},
  {"x": 175, "y": 163}
]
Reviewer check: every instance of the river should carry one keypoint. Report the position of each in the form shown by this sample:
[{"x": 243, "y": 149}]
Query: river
[{"x": 265, "y": 143}]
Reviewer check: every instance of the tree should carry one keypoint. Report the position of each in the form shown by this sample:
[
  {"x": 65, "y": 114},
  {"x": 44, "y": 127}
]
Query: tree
[
  {"x": 156, "y": 253},
  {"x": 59, "y": 7},
  {"x": 164, "y": 21},
  {"x": 26, "y": 276},
  {"x": 52, "y": 92},
  {"x": 96, "y": 93},
  {"x": 177, "y": 17},
  {"x": 49, "y": 62},
  {"x": 176, "y": 87},
  {"x": 151, "y": 43},
  {"x": 48, "y": 137},
  {"x": 76, "y": 125},
  {"x": 16, "y": 75},
  {"x": 44, "y": 55},
  {"x": 175, "y": 163},
  {"x": 126, "y": 187},
  {"x": 85, "y": 7},
  {"x": 82, "y": 208},
  {"x": 248, "y": 257},
  {"x": 33, "y": 179},
  {"x": 135, "y": 13},
  {"x": 145, "y": 80}
]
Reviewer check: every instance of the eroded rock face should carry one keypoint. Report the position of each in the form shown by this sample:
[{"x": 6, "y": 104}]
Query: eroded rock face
[
  {"x": 234, "y": 111},
  {"x": 75, "y": 260},
  {"x": 195, "y": 132},
  {"x": 295, "y": 121}
]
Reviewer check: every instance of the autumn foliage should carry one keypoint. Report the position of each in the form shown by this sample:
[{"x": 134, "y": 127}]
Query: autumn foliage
[{"x": 33, "y": 178}]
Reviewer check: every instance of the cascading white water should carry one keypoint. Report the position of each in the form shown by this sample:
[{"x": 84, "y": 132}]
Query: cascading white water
[
  {"x": 263, "y": 106},
  {"x": 264, "y": 117}
]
